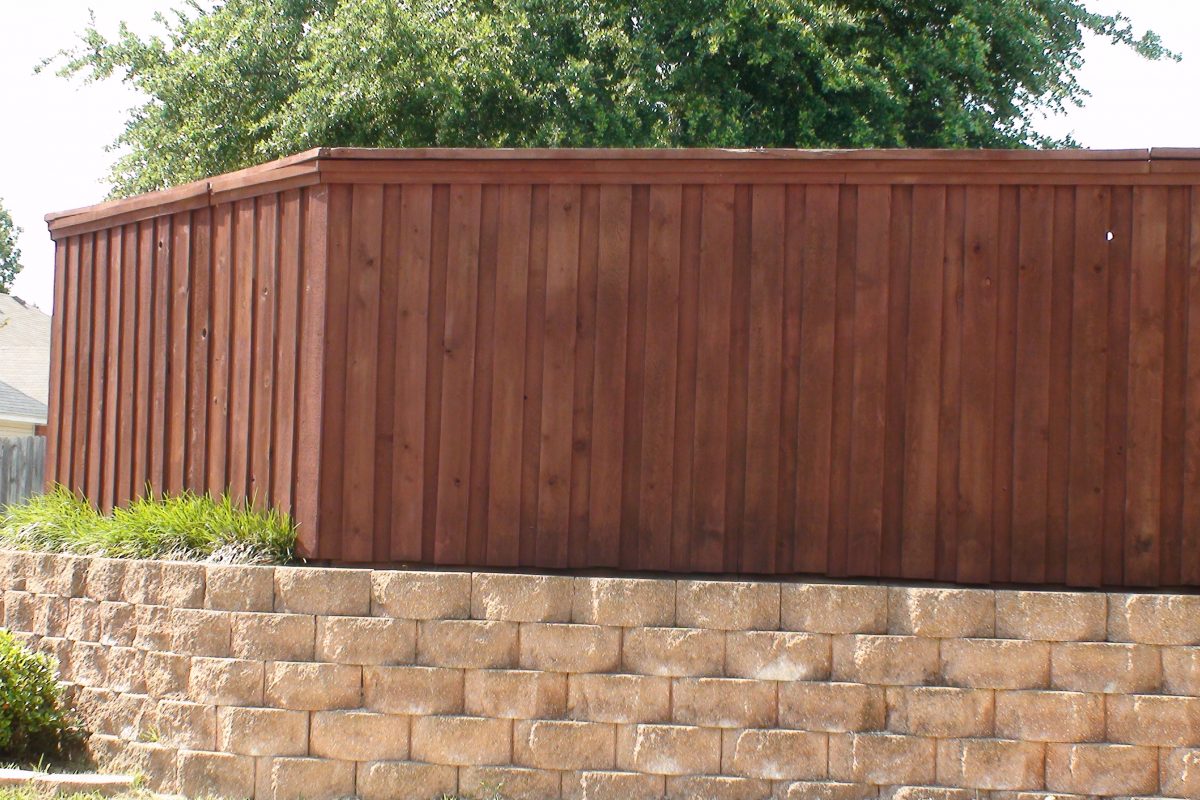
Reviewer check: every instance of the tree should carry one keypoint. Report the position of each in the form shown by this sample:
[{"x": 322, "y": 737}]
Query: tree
[
  {"x": 249, "y": 80},
  {"x": 10, "y": 254}
]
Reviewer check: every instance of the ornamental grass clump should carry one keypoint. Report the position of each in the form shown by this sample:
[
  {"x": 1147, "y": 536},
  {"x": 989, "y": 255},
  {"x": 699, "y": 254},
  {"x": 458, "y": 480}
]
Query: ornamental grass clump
[
  {"x": 34, "y": 724},
  {"x": 185, "y": 527}
]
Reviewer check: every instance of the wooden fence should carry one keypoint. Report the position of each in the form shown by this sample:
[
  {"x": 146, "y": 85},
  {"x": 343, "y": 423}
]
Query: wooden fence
[
  {"x": 22, "y": 467},
  {"x": 972, "y": 367}
]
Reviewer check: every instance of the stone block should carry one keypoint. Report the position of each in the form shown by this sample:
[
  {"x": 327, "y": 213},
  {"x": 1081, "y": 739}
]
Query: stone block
[
  {"x": 182, "y": 584},
  {"x": 215, "y": 775},
  {"x": 125, "y": 669},
  {"x": 359, "y": 736},
  {"x": 1181, "y": 670},
  {"x": 20, "y": 611},
  {"x": 674, "y": 652},
  {"x": 461, "y": 741},
  {"x": 826, "y": 790},
  {"x": 511, "y": 783},
  {"x": 996, "y": 664},
  {"x": 200, "y": 632},
  {"x": 882, "y": 758},
  {"x": 832, "y": 707},
  {"x": 778, "y": 655},
  {"x": 313, "y": 687},
  {"x": 83, "y": 619},
  {"x": 724, "y": 702},
  {"x": 515, "y": 694},
  {"x": 1157, "y": 720},
  {"x": 1179, "y": 772},
  {"x": 50, "y": 615},
  {"x": 238, "y": 587},
  {"x": 885, "y": 660},
  {"x": 619, "y": 698},
  {"x": 324, "y": 591},
  {"x": 716, "y": 787},
  {"x": 1050, "y": 716},
  {"x": 157, "y": 764},
  {"x": 939, "y": 711},
  {"x": 399, "y": 780},
  {"x": 624, "y": 602},
  {"x": 226, "y": 682},
  {"x": 87, "y": 664},
  {"x": 311, "y": 779},
  {"x": 167, "y": 674},
  {"x": 421, "y": 594},
  {"x": 1051, "y": 616},
  {"x": 366, "y": 640},
  {"x": 106, "y": 578},
  {"x": 154, "y": 631},
  {"x": 521, "y": 598},
  {"x": 834, "y": 608},
  {"x": 776, "y": 754},
  {"x": 1105, "y": 667},
  {"x": 669, "y": 749},
  {"x": 273, "y": 637},
  {"x": 941, "y": 613},
  {"x": 143, "y": 583},
  {"x": 413, "y": 690},
  {"x": 1154, "y": 618},
  {"x": 727, "y": 605},
  {"x": 564, "y": 744},
  {"x": 612, "y": 785},
  {"x": 118, "y": 623},
  {"x": 570, "y": 648},
  {"x": 467, "y": 644},
  {"x": 992, "y": 764},
  {"x": 262, "y": 732},
  {"x": 191, "y": 726},
  {"x": 1101, "y": 769}
]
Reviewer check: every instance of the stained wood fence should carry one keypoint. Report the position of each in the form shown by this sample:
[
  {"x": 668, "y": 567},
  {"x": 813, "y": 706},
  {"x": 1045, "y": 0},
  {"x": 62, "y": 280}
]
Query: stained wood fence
[
  {"x": 22, "y": 467},
  {"x": 972, "y": 367}
]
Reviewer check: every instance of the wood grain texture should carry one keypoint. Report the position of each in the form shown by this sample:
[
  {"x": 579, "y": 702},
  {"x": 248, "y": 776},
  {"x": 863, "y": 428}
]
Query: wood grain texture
[{"x": 987, "y": 375}]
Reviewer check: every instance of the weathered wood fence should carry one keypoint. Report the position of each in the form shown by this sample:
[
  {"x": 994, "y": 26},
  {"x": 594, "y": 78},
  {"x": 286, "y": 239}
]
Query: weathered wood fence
[
  {"x": 974, "y": 367},
  {"x": 22, "y": 467}
]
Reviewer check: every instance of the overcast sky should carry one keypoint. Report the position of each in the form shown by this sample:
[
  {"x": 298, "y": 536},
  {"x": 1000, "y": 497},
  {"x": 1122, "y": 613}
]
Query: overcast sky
[{"x": 54, "y": 133}]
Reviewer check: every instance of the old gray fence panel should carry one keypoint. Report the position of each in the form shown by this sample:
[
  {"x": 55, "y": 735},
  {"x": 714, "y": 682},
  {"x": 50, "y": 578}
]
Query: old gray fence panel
[{"x": 22, "y": 467}]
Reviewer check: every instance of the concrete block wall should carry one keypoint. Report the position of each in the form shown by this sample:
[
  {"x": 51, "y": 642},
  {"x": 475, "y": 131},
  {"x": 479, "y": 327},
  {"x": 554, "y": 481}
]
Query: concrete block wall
[{"x": 292, "y": 682}]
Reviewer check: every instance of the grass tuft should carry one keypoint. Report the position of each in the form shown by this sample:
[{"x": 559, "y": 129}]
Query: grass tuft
[{"x": 181, "y": 527}]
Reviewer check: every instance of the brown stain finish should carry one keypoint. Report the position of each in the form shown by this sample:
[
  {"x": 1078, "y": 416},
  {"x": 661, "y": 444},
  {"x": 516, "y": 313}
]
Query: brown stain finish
[{"x": 972, "y": 367}]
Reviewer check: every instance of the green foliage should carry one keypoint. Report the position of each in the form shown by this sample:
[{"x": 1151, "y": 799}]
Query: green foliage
[
  {"x": 249, "y": 80},
  {"x": 10, "y": 254},
  {"x": 33, "y": 722},
  {"x": 186, "y": 526}
]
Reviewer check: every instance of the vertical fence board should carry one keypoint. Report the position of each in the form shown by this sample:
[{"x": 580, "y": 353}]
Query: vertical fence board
[
  {"x": 1089, "y": 343},
  {"x": 1032, "y": 401},
  {"x": 1143, "y": 504},
  {"x": 362, "y": 342},
  {"x": 508, "y": 377}
]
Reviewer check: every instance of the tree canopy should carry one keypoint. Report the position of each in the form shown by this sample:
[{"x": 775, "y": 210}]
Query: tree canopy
[
  {"x": 243, "y": 81},
  {"x": 10, "y": 254}
]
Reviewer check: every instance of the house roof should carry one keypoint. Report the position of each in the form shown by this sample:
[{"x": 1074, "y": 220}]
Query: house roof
[
  {"x": 25, "y": 348},
  {"x": 20, "y": 407}
]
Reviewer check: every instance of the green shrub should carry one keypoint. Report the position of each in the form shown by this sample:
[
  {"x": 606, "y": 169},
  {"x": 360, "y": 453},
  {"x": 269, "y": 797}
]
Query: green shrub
[
  {"x": 33, "y": 722},
  {"x": 185, "y": 526}
]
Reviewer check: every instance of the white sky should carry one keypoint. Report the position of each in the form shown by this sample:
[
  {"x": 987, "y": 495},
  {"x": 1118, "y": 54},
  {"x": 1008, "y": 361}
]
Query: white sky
[{"x": 53, "y": 133}]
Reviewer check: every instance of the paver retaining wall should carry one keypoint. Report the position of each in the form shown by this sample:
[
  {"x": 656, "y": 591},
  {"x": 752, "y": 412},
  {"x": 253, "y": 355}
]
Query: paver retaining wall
[{"x": 303, "y": 682}]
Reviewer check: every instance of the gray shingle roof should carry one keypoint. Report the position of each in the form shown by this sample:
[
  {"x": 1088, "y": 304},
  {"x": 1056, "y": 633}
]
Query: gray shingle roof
[
  {"x": 24, "y": 348},
  {"x": 17, "y": 404}
]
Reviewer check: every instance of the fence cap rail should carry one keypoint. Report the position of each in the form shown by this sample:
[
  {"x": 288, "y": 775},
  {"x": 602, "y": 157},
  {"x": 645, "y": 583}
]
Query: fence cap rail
[{"x": 642, "y": 165}]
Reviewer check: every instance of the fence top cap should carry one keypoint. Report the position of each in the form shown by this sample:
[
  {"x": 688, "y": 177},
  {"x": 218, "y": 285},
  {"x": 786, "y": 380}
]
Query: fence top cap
[{"x": 637, "y": 165}]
